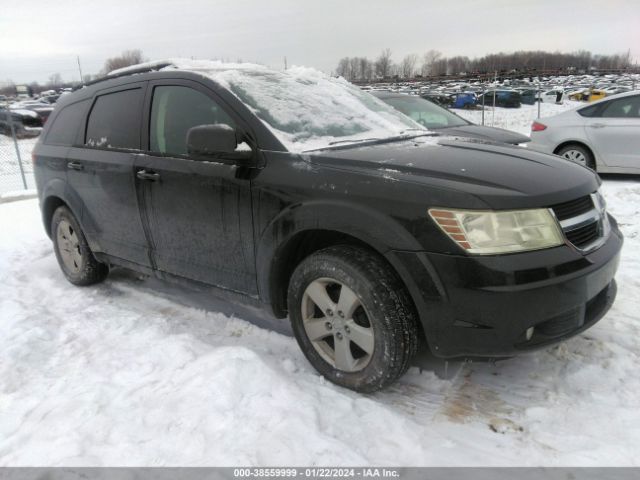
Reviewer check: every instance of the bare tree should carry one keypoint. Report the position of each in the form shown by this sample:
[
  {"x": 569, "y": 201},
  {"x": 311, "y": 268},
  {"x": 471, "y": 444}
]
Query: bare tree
[
  {"x": 354, "y": 67},
  {"x": 428, "y": 59},
  {"x": 342, "y": 70},
  {"x": 7, "y": 87},
  {"x": 434, "y": 64},
  {"x": 408, "y": 66},
  {"x": 55, "y": 80},
  {"x": 383, "y": 63},
  {"x": 126, "y": 59},
  {"x": 439, "y": 67},
  {"x": 366, "y": 68}
]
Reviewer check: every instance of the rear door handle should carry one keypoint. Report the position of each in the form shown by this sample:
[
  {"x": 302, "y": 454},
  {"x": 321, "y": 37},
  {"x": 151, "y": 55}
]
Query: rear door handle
[
  {"x": 75, "y": 166},
  {"x": 598, "y": 125},
  {"x": 149, "y": 176}
]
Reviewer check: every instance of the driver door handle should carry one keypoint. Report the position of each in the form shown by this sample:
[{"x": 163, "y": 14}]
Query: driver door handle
[
  {"x": 75, "y": 166},
  {"x": 149, "y": 176},
  {"x": 597, "y": 125}
]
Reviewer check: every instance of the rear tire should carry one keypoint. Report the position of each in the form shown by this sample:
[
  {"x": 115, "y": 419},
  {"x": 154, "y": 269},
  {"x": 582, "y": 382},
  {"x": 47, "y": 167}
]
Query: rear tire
[
  {"x": 72, "y": 251},
  {"x": 578, "y": 154},
  {"x": 352, "y": 318}
]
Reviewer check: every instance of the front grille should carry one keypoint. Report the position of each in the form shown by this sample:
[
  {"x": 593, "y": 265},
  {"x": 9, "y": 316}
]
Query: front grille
[
  {"x": 573, "y": 208},
  {"x": 582, "y": 221},
  {"x": 581, "y": 237}
]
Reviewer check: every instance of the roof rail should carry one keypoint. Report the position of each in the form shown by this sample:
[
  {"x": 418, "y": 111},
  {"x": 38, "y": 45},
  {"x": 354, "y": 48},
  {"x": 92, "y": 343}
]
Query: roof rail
[{"x": 123, "y": 72}]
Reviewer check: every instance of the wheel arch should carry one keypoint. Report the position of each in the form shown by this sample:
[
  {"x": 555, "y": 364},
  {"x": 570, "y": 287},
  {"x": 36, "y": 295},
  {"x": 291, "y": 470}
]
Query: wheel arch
[
  {"x": 304, "y": 229},
  {"x": 58, "y": 193},
  {"x": 49, "y": 206},
  {"x": 580, "y": 143}
]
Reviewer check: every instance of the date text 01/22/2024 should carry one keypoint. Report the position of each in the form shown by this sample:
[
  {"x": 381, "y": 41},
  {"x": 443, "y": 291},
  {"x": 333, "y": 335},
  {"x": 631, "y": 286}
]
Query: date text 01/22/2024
[{"x": 316, "y": 472}]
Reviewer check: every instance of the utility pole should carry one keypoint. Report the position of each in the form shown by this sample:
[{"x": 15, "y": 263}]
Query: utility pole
[
  {"x": 495, "y": 86},
  {"x": 80, "y": 69},
  {"x": 285, "y": 63}
]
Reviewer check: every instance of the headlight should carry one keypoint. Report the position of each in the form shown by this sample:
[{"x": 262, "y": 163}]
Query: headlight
[{"x": 491, "y": 232}]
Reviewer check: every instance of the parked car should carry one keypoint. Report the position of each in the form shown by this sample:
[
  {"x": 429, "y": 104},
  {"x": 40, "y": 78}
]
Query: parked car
[
  {"x": 555, "y": 95},
  {"x": 503, "y": 98},
  {"x": 42, "y": 109},
  {"x": 464, "y": 100},
  {"x": 25, "y": 122},
  {"x": 445, "y": 122},
  {"x": 604, "y": 136},
  {"x": 49, "y": 99},
  {"x": 615, "y": 89},
  {"x": 371, "y": 234},
  {"x": 588, "y": 95},
  {"x": 528, "y": 96},
  {"x": 437, "y": 98}
]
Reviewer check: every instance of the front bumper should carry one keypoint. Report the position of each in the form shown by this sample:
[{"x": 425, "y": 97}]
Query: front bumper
[{"x": 474, "y": 306}]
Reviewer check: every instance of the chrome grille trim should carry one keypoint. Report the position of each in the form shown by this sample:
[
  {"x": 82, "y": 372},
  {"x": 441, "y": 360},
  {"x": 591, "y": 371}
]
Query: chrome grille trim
[
  {"x": 597, "y": 215},
  {"x": 580, "y": 221}
]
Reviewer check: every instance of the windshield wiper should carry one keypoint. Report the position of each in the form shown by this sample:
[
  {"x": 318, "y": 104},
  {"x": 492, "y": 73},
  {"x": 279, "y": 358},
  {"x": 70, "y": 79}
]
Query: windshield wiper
[
  {"x": 396, "y": 138},
  {"x": 354, "y": 140},
  {"x": 424, "y": 132},
  {"x": 373, "y": 139}
]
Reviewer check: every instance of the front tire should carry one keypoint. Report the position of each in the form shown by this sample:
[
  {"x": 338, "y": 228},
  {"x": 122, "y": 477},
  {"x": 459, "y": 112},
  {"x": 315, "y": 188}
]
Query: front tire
[
  {"x": 578, "y": 154},
  {"x": 352, "y": 318},
  {"x": 72, "y": 251}
]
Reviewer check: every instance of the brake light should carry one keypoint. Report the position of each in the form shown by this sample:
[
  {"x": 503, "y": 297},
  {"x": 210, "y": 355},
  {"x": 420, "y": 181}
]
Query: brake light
[{"x": 538, "y": 127}]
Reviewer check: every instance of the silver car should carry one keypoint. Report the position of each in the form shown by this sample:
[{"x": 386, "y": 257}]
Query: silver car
[{"x": 603, "y": 135}]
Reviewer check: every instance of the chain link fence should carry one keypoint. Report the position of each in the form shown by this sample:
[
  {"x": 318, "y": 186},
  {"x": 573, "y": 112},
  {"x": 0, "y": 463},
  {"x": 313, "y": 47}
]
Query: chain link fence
[{"x": 16, "y": 168}]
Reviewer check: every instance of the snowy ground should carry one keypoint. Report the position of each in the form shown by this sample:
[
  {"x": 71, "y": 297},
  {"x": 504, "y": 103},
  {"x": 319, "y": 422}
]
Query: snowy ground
[{"x": 134, "y": 372}]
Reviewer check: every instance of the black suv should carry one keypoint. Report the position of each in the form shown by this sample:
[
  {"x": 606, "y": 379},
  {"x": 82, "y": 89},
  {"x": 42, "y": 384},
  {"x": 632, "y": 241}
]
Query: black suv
[{"x": 302, "y": 193}]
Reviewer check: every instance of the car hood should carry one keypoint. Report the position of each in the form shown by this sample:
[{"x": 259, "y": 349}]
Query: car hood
[
  {"x": 501, "y": 176},
  {"x": 485, "y": 133}
]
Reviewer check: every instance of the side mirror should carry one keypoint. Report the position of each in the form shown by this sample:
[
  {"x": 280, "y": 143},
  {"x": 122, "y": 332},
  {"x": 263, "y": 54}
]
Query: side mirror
[{"x": 216, "y": 142}]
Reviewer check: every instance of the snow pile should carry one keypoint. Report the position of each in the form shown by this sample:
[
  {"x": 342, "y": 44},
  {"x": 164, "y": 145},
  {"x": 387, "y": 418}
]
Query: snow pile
[
  {"x": 303, "y": 107},
  {"x": 118, "y": 374}
]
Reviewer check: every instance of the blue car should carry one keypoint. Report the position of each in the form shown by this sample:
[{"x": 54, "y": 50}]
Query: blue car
[{"x": 465, "y": 100}]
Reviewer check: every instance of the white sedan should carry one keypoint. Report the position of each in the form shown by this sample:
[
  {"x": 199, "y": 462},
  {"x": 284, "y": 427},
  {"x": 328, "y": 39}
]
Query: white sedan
[{"x": 604, "y": 135}]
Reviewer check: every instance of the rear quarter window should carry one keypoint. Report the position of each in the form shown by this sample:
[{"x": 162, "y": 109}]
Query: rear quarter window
[
  {"x": 114, "y": 121},
  {"x": 67, "y": 124}
]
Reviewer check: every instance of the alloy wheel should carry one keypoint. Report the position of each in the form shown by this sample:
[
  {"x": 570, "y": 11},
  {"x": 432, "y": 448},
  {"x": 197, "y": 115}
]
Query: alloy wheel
[
  {"x": 575, "y": 156},
  {"x": 69, "y": 246},
  {"x": 337, "y": 324}
]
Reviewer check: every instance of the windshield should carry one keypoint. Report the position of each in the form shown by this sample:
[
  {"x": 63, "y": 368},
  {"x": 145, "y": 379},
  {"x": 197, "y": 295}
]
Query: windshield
[
  {"x": 424, "y": 112},
  {"x": 307, "y": 109}
]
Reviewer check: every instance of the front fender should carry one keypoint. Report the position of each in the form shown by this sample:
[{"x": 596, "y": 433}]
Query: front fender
[{"x": 371, "y": 227}]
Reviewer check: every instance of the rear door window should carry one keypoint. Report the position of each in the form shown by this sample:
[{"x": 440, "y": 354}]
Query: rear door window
[
  {"x": 627, "y": 107},
  {"x": 114, "y": 121}
]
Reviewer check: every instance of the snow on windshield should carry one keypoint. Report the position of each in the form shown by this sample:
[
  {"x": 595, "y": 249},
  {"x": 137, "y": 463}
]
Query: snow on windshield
[{"x": 305, "y": 108}]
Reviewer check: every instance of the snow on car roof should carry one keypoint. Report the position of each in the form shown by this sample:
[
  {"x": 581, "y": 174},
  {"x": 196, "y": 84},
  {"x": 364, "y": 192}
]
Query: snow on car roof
[{"x": 305, "y": 108}]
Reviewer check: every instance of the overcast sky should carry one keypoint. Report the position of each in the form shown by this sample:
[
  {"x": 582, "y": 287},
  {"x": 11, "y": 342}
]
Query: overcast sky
[{"x": 39, "y": 38}]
